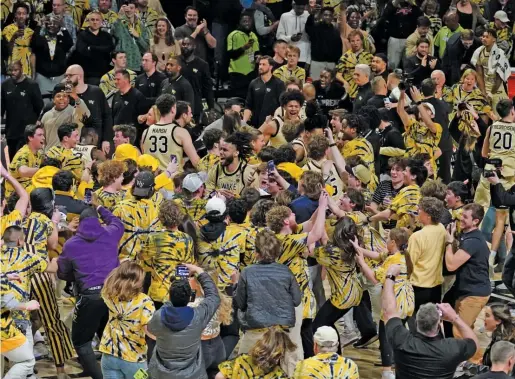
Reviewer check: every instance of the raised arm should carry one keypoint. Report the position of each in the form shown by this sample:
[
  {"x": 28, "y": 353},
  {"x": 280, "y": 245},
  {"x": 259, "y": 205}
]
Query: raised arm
[
  {"x": 403, "y": 115},
  {"x": 23, "y": 201}
]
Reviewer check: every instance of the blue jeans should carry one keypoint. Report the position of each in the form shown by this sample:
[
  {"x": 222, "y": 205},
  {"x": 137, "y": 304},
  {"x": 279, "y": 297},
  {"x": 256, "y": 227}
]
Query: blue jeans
[{"x": 117, "y": 368}]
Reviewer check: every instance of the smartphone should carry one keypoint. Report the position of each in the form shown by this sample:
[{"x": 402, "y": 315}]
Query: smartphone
[
  {"x": 68, "y": 87},
  {"x": 181, "y": 271},
  {"x": 173, "y": 158},
  {"x": 88, "y": 196},
  {"x": 270, "y": 168},
  {"x": 387, "y": 100}
]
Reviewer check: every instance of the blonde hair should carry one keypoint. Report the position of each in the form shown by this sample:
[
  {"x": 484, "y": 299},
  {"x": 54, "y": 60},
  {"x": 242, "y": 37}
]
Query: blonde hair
[
  {"x": 468, "y": 72},
  {"x": 268, "y": 246},
  {"x": 276, "y": 216},
  {"x": 268, "y": 352},
  {"x": 224, "y": 312},
  {"x": 124, "y": 283}
]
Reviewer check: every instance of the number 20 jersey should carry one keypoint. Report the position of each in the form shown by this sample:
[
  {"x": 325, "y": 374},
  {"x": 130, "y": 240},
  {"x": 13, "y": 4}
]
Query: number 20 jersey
[
  {"x": 159, "y": 141},
  {"x": 502, "y": 145}
]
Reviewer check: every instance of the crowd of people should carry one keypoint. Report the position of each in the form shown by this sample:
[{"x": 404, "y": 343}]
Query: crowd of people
[{"x": 355, "y": 184}]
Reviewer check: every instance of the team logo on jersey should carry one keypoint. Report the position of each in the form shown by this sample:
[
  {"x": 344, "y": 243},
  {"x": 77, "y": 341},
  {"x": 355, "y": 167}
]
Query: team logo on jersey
[
  {"x": 126, "y": 102},
  {"x": 91, "y": 102},
  {"x": 152, "y": 84},
  {"x": 195, "y": 70},
  {"x": 268, "y": 90},
  {"x": 22, "y": 93}
]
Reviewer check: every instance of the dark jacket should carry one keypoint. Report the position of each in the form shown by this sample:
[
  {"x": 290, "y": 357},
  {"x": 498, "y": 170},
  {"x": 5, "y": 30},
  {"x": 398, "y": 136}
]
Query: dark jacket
[
  {"x": 454, "y": 56},
  {"x": 267, "y": 293},
  {"x": 178, "y": 329},
  {"x": 94, "y": 52},
  {"x": 21, "y": 105},
  {"x": 180, "y": 88},
  {"x": 45, "y": 65},
  {"x": 364, "y": 94},
  {"x": 90, "y": 255},
  {"x": 198, "y": 74},
  {"x": 414, "y": 69},
  {"x": 326, "y": 43},
  {"x": 390, "y": 137}
]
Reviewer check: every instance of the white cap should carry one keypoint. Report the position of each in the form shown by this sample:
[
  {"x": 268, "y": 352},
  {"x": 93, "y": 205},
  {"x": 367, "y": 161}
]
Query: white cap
[
  {"x": 502, "y": 16},
  {"x": 192, "y": 182},
  {"x": 326, "y": 336},
  {"x": 431, "y": 108},
  {"x": 214, "y": 206}
]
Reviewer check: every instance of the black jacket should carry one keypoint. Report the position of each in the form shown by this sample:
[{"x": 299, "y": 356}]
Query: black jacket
[
  {"x": 180, "y": 88},
  {"x": 198, "y": 74},
  {"x": 390, "y": 137},
  {"x": 326, "y": 43},
  {"x": 414, "y": 69},
  {"x": 331, "y": 97},
  {"x": 45, "y": 65},
  {"x": 21, "y": 105},
  {"x": 101, "y": 117},
  {"x": 126, "y": 109},
  {"x": 364, "y": 94},
  {"x": 454, "y": 56},
  {"x": 150, "y": 86},
  {"x": 94, "y": 52}
]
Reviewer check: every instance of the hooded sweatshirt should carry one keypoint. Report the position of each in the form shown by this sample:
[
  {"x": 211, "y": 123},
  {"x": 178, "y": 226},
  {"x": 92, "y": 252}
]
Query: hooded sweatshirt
[
  {"x": 178, "y": 330},
  {"x": 90, "y": 255},
  {"x": 291, "y": 24}
]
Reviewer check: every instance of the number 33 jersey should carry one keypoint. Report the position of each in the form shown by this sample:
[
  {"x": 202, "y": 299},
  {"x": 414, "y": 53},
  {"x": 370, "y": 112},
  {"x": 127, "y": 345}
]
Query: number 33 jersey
[
  {"x": 159, "y": 141},
  {"x": 502, "y": 145}
]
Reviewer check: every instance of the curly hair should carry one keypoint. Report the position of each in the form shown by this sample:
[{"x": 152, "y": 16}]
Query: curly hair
[
  {"x": 259, "y": 211},
  {"x": 284, "y": 198},
  {"x": 276, "y": 216},
  {"x": 312, "y": 184},
  {"x": 268, "y": 246},
  {"x": 434, "y": 188},
  {"x": 109, "y": 171},
  {"x": 251, "y": 196},
  {"x": 237, "y": 210},
  {"x": 288, "y": 96},
  {"x": 317, "y": 147},
  {"x": 242, "y": 143},
  {"x": 170, "y": 214},
  {"x": 433, "y": 207}
]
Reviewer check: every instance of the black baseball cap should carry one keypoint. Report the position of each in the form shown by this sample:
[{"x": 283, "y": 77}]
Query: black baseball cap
[{"x": 144, "y": 184}]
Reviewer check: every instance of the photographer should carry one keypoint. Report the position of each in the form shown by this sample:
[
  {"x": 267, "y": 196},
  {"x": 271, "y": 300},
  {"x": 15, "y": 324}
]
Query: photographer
[{"x": 506, "y": 198}]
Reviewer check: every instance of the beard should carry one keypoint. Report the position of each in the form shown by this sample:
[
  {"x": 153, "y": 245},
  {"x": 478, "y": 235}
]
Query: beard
[
  {"x": 187, "y": 52},
  {"x": 227, "y": 161}
]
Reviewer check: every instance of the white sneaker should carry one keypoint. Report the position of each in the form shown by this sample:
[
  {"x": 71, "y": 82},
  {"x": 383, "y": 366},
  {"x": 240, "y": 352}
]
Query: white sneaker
[
  {"x": 388, "y": 375},
  {"x": 348, "y": 338}
]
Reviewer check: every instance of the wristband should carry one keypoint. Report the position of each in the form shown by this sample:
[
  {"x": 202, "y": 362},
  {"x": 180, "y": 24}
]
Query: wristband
[
  {"x": 391, "y": 277},
  {"x": 455, "y": 319},
  {"x": 332, "y": 145},
  {"x": 418, "y": 102}
]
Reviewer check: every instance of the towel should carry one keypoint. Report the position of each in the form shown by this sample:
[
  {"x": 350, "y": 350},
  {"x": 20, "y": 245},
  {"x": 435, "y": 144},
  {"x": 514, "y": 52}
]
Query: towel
[{"x": 497, "y": 62}]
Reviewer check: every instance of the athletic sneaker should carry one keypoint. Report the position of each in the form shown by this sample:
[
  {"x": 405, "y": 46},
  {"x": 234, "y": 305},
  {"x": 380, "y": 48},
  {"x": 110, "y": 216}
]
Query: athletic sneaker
[{"x": 388, "y": 375}]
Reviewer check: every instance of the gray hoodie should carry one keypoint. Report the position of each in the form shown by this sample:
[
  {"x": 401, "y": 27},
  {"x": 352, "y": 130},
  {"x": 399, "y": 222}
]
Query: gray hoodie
[{"x": 178, "y": 330}]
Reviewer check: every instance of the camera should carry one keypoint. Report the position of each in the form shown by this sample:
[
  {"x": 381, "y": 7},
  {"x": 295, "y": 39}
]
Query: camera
[
  {"x": 462, "y": 106},
  {"x": 406, "y": 81},
  {"x": 497, "y": 163}
]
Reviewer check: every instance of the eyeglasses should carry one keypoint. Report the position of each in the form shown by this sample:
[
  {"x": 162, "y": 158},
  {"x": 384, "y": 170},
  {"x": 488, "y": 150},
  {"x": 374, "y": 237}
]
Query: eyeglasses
[{"x": 69, "y": 75}]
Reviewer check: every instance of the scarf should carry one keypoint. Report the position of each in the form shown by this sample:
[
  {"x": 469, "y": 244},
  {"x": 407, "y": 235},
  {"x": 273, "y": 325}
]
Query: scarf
[{"x": 497, "y": 62}]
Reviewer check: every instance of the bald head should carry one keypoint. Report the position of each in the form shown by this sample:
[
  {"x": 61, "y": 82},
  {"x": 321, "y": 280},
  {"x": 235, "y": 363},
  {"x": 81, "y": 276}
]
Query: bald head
[
  {"x": 379, "y": 86},
  {"x": 452, "y": 20},
  {"x": 74, "y": 74}
]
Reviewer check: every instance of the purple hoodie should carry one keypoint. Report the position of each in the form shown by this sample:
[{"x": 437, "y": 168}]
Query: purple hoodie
[{"x": 90, "y": 255}]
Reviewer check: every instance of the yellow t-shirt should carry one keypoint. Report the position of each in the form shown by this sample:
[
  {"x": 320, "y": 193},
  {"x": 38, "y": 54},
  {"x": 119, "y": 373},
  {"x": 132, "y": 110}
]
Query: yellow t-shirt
[
  {"x": 360, "y": 147},
  {"x": 37, "y": 228},
  {"x": 109, "y": 200},
  {"x": 404, "y": 295},
  {"x": 242, "y": 367},
  {"x": 207, "y": 162},
  {"x": 171, "y": 248},
  {"x": 284, "y": 73},
  {"x": 69, "y": 161},
  {"x": 294, "y": 246},
  {"x": 13, "y": 218},
  {"x": 223, "y": 254},
  {"x": 10, "y": 336},
  {"x": 24, "y": 157},
  {"x": 124, "y": 334},
  {"x": 140, "y": 220},
  {"x": 326, "y": 366},
  {"x": 346, "y": 290},
  {"x": 405, "y": 205},
  {"x": 426, "y": 249},
  {"x": 21, "y": 49},
  {"x": 346, "y": 65}
]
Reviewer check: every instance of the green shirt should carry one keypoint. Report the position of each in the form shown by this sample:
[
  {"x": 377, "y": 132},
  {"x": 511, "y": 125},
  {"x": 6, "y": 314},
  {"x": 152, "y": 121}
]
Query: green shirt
[
  {"x": 443, "y": 36},
  {"x": 245, "y": 64}
]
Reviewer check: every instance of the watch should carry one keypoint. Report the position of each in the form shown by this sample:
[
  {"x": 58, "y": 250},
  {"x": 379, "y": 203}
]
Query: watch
[{"x": 391, "y": 277}]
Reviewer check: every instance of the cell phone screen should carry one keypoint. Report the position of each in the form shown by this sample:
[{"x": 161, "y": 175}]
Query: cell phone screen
[
  {"x": 270, "y": 167},
  {"x": 173, "y": 158},
  {"x": 88, "y": 195},
  {"x": 182, "y": 271}
]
